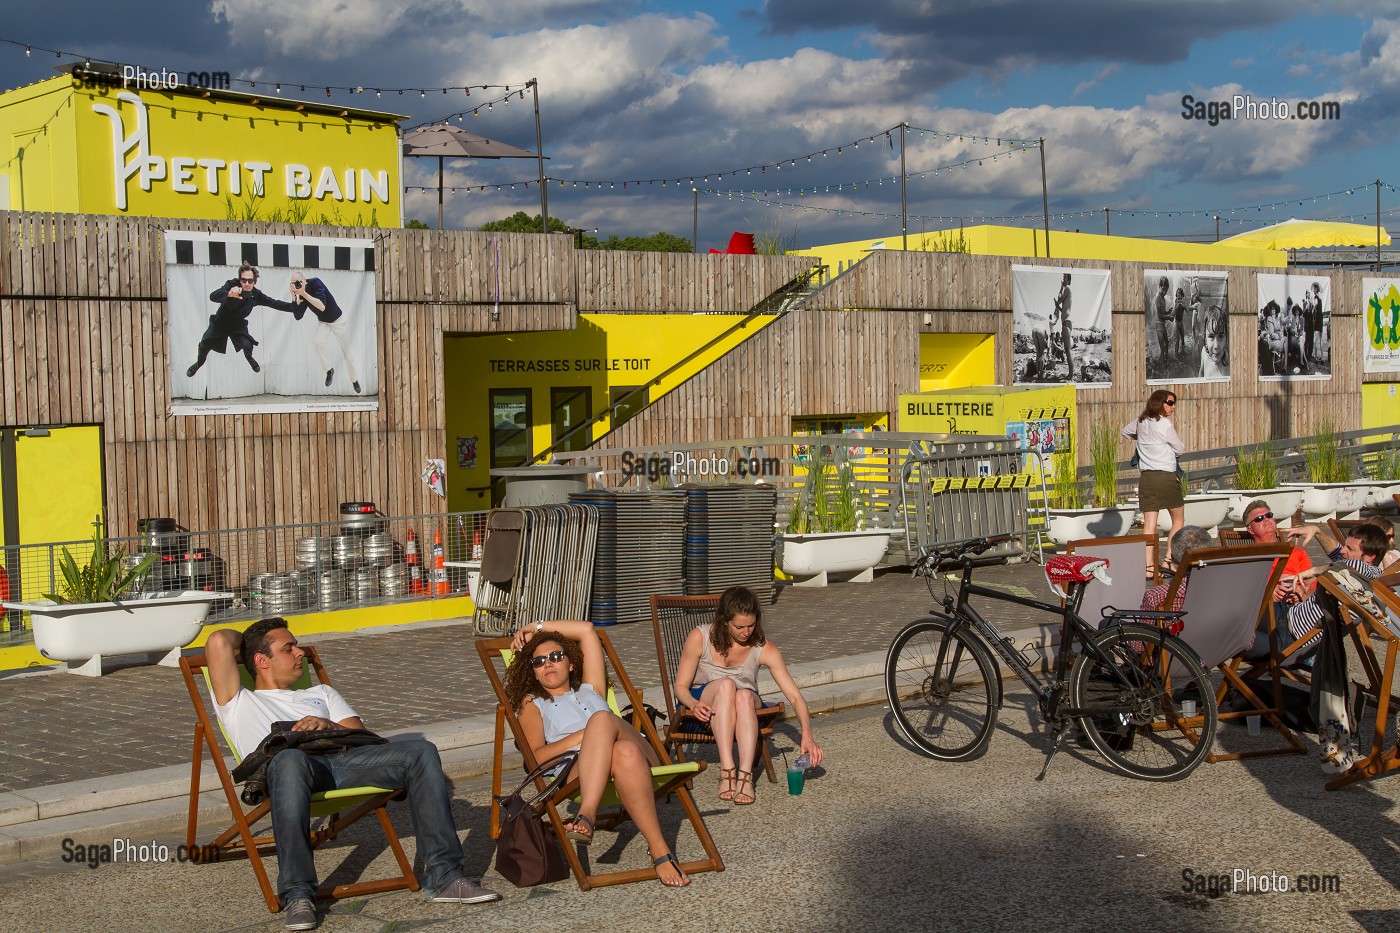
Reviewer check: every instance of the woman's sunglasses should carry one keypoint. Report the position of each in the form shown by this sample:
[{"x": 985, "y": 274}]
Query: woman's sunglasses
[
  {"x": 542, "y": 660},
  {"x": 1260, "y": 518}
]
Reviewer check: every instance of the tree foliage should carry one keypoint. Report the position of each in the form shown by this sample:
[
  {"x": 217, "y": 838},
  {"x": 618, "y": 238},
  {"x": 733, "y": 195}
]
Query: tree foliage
[{"x": 521, "y": 222}]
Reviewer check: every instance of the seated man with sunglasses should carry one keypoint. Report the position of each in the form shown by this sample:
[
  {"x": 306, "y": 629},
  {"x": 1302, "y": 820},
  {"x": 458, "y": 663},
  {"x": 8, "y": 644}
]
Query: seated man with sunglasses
[
  {"x": 272, "y": 656},
  {"x": 1259, "y": 524}
]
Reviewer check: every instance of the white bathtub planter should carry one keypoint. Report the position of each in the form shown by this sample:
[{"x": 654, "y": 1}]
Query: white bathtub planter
[
  {"x": 81, "y": 633},
  {"x": 1204, "y": 510},
  {"x": 1322, "y": 501},
  {"x": 1066, "y": 525},
  {"x": 1283, "y": 502},
  {"x": 851, "y": 554},
  {"x": 1382, "y": 497}
]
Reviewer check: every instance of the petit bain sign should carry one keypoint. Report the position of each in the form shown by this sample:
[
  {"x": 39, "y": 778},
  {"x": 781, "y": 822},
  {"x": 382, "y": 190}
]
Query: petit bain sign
[{"x": 158, "y": 153}]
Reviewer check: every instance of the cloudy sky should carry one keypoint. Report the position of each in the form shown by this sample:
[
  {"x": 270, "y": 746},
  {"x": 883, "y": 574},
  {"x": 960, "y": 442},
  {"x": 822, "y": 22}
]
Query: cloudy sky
[{"x": 760, "y": 104}]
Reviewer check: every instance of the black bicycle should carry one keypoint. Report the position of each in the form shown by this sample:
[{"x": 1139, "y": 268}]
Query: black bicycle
[{"x": 1129, "y": 686}]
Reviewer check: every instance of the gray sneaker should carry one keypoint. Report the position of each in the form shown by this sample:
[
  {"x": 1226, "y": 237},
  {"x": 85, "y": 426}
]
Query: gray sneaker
[
  {"x": 462, "y": 891},
  {"x": 300, "y": 914}
]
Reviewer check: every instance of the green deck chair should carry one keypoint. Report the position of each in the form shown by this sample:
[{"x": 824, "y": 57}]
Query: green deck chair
[
  {"x": 239, "y": 840},
  {"x": 668, "y": 778}
]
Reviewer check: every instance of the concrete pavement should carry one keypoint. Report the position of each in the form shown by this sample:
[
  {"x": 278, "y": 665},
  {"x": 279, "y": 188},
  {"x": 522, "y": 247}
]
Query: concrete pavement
[{"x": 884, "y": 839}]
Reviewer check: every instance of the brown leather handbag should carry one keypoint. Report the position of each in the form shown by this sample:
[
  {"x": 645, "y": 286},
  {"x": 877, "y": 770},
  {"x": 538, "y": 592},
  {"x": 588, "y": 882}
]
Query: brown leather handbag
[{"x": 527, "y": 853}]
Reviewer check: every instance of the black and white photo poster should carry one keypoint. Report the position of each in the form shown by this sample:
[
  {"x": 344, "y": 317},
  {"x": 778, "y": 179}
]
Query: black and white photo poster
[
  {"x": 1061, "y": 327},
  {"x": 1186, "y": 326},
  {"x": 262, "y": 324},
  {"x": 1295, "y": 327}
]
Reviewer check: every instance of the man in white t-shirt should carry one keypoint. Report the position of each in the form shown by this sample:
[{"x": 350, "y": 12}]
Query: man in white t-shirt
[{"x": 271, "y": 653}]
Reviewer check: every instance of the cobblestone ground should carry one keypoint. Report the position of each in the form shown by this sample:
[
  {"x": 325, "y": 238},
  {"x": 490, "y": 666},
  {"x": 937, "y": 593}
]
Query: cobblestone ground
[
  {"x": 881, "y": 839},
  {"x": 60, "y": 727}
]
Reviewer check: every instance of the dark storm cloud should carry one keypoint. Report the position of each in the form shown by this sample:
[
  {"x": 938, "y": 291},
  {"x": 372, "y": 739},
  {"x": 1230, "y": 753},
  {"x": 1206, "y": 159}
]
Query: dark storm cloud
[
  {"x": 170, "y": 35},
  {"x": 954, "y": 39}
]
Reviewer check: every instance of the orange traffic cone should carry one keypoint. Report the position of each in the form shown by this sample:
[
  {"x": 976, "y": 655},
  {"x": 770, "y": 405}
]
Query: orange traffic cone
[
  {"x": 439, "y": 565},
  {"x": 476, "y": 545},
  {"x": 415, "y": 572}
]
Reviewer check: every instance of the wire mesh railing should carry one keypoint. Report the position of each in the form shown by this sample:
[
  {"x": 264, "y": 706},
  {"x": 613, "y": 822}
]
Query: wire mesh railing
[{"x": 359, "y": 561}]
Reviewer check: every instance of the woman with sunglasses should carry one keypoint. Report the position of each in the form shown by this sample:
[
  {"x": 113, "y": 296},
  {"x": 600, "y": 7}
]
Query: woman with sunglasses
[
  {"x": 557, "y": 684},
  {"x": 1158, "y": 446}
]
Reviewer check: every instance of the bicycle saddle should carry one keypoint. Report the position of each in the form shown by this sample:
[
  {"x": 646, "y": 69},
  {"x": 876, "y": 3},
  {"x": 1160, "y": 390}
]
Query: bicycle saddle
[{"x": 1064, "y": 569}]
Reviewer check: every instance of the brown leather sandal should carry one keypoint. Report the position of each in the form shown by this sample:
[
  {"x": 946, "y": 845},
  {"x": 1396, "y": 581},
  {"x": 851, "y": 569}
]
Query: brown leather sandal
[
  {"x": 741, "y": 797},
  {"x": 727, "y": 777}
]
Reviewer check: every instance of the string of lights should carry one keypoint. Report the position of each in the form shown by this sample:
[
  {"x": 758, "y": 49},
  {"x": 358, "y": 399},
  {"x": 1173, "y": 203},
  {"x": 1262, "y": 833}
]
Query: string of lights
[
  {"x": 762, "y": 169},
  {"x": 1224, "y": 215},
  {"x": 277, "y": 85}
]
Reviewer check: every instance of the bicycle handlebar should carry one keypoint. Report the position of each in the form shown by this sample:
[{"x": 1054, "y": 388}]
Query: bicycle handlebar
[{"x": 962, "y": 550}]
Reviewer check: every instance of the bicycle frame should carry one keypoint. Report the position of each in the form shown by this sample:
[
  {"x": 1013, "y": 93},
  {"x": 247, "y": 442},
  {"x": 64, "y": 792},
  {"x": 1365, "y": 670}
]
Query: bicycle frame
[{"x": 1050, "y": 691}]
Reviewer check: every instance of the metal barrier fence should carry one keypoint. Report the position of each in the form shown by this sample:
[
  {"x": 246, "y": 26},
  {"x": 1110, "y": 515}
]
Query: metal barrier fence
[
  {"x": 952, "y": 496},
  {"x": 362, "y": 560},
  {"x": 877, "y": 459}
]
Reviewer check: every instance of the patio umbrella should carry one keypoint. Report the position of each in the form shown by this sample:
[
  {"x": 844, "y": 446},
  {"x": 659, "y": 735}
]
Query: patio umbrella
[
  {"x": 1306, "y": 234},
  {"x": 447, "y": 141}
]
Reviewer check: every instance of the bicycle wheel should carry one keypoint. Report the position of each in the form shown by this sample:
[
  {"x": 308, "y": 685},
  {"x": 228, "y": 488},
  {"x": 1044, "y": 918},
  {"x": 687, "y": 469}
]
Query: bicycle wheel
[
  {"x": 1140, "y": 684},
  {"x": 944, "y": 690}
]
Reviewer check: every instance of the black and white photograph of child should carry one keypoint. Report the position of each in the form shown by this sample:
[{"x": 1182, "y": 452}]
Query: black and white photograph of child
[
  {"x": 1294, "y": 327},
  {"x": 1186, "y": 326},
  {"x": 1061, "y": 326}
]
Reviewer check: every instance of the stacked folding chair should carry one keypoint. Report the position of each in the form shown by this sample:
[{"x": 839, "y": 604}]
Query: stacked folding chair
[
  {"x": 729, "y": 538},
  {"x": 536, "y": 564},
  {"x": 641, "y": 538}
]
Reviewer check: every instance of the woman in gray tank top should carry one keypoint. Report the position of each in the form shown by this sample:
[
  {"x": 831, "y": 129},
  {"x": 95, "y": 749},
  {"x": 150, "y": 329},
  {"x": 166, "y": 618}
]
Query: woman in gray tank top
[
  {"x": 717, "y": 683},
  {"x": 557, "y": 683}
]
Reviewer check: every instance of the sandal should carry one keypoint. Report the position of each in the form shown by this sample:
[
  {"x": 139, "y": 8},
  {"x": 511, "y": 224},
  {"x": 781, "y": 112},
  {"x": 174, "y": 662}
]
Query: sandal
[
  {"x": 671, "y": 858},
  {"x": 740, "y": 797},
  {"x": 727, "y": 776},
  {"x": 583, "y": 836}
]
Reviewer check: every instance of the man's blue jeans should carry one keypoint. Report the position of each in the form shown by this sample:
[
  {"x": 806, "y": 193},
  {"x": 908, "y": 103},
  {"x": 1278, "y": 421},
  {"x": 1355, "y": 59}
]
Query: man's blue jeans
[{"x": 292, "y": 777}]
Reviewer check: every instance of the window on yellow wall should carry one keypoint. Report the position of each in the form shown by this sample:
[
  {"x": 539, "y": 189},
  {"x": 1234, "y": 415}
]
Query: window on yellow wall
[
  {"x": 626, "y": 401},
  {"x": 569, "y": 408},
  {"x": 510, "y": 427}
]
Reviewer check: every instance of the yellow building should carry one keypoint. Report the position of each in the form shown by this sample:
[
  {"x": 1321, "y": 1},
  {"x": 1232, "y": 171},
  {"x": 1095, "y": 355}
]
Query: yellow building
[
  {"x": 149, "y": 146},
  {"x": 1028, "y": 242}
]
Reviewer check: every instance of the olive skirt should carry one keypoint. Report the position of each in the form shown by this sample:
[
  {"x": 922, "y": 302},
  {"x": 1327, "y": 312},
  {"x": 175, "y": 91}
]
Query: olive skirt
[{"x": 1159, "y": 489}]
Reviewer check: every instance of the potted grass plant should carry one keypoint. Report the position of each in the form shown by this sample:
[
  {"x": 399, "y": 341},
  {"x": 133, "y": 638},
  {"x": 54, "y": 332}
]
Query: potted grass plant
[
  {"x": 1386, "y": 472},
  {"x": 90, "y": 617},
  {"x": 1257, "y": 477},
  {"x": 1070, "y": 518},
  {"x": 1330, "y": 489},
  {"x": 825, "y": 531}
]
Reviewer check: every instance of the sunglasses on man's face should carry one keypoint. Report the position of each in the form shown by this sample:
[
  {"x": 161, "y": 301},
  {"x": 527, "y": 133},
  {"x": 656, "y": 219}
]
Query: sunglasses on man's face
[
  {"x": 542, "y": 660},
  {"x": 1261, "y": 517},
  {"x": 242, "y": 279}
]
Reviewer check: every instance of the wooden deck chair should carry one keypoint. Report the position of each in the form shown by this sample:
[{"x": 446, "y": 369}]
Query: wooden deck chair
[
  {"x": 1234, "y": 537},
  {"x": 1229, "y": 590},
  {"x": 1364, "y": 627},
  {"x": 672, "y": 618},
  {"x": 1341, "y": 527},
  {"x": 1125, "y": 555},
  {"x": 668, "y": 778},
  {"x": 239, "y": 840}
]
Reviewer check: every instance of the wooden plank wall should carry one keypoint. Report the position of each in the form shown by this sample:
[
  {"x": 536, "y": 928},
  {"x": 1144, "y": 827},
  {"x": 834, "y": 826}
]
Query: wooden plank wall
[
  {"x": 966, "y": 294},
  {"x": 807, "y": 363},
  {"x": 681, "y": 283},
  {"x": 84, "y": 340}
]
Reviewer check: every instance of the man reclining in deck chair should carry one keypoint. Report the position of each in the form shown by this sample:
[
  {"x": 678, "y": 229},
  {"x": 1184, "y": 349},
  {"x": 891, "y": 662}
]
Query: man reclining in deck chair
[
  {"x": 271, "y": 654},
  {"x": 1361, "y": 552}
]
